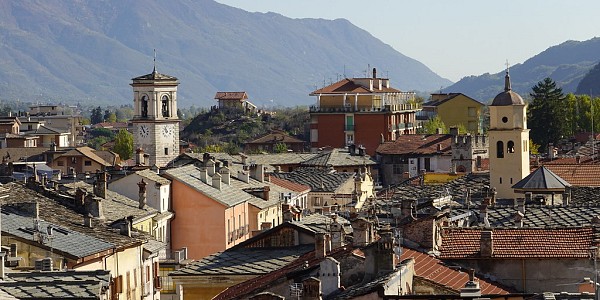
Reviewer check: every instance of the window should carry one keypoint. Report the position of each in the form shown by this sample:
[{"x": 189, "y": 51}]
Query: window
[
  {"x": 397, "y": 169},
  {"x": 349, "y": 123},
  {"x": 88, "y": 163},
  {"x": 510, "y": 147},
  {"x": 144, "y": 108},
  {"x": 472, "y": 112},
  {"x": 166, "y": 151},
  {"x": 499, "y": 149},
  {"x": 168, "y": 286},
  {"x": 428, "y": 164},
  {"x": 165, "y": 106},
  {"x": 317, "y": 201},
  {"x": 500, "y": 180},
  {"x": 60, "y": 163}
]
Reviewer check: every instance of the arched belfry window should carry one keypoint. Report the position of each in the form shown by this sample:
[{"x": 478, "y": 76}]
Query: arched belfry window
[
  {"x": 499, "y": 149},
  {"x": 165, "y": 106},
  {"x": 510, "y": 147},
  {"x": 144, "y": 106}
]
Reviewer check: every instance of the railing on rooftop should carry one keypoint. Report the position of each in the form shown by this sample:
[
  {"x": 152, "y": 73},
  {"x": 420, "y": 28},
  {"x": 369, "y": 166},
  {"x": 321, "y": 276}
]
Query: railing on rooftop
[{"x": 363, "y": 109}]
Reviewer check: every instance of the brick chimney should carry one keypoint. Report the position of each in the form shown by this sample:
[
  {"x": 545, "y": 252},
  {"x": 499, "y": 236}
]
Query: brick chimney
[
  {"x": 487, "y": 243},
  {"x": 266, "y": 190},
  {"x": 380, "y": 257}
]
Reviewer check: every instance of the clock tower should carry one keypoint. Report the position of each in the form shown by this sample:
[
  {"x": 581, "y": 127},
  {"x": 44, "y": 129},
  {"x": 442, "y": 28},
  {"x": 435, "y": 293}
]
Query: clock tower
[{"x": 155, "y": 121}]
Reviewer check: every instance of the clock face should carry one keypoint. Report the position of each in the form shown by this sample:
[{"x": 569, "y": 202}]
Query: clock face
[
  {"x": 144, "y": 131},
  {"x": 167, "y": 131}
]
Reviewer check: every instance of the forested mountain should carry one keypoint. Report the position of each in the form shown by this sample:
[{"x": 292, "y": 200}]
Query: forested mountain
[
  {"x": 590, "y": 84},
  {"x": 566, "y": 64},
  {"x": 87, "y": 51}
]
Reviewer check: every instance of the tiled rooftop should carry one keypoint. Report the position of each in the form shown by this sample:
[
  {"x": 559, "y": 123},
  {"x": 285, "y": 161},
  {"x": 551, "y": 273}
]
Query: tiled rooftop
[
  {"x": 56, "y": 285},
  {"x": 577, "y": 174},
  {"x": 244, "y": 261},
  {"x": 348, "y": 86},
  {"x": 417, "y": 144},
  {"x": 292, "y": 186},
  {"x": 464, "y": 243},
  {"x": 190, "y": 175},
  {"x": 147, "y": 173},
  {"x": 338, "y": 158},
  {"x": 322, "y": 180}
]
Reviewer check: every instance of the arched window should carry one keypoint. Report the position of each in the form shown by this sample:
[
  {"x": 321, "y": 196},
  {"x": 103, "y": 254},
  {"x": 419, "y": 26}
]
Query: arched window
[
  {"x": 144, "y": 106},
  {"x": 499, "y": 149},
  {"x": 510, "y": 147},
  {"x": 165, "y": 106}
]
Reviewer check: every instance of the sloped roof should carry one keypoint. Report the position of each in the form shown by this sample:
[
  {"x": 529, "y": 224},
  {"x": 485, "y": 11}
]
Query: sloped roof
[
  {"x": 448, "y": 97},
  {"x": 147, "y": 173},
  {"x": 244, "y": 261},
  {"x": 155, "y": 76},
  {"x": 508, "y": 97},
  {"x": 292, "y": 186},
  {"x": 541, "y": 180},
  {"x": 276, "y": 136},
  {"x": 56, "y": 285},
  {"x": 434, "y": 270},
  {"x": 338, "y": 158},
  {"x": 577, "y": 174},
  {"x": 417, "y": 144},
  {"x": 87, "y": 152},
  {"x": 47, "y": 130},
  {"x": 190, "y": 176},
  {"x": 319, "y": 180},
  {"x": 64, "y": 240},
  {"x": 231, "y": 96},
  {"x": 349, "y": 86},
  {"x": 464, "y": 243}
]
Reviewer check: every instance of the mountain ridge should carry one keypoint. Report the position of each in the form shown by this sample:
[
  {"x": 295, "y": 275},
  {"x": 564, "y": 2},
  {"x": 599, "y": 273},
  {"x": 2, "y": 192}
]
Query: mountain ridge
[{"x": 88, "y": 51}]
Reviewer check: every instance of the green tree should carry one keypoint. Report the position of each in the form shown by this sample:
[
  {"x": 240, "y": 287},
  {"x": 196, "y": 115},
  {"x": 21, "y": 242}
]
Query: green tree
[
  {"x": 280, "y": 148},
  {"x": 96, "y": 116},
  {"x": 432, "y": 125},
  {"x": 124, "y": 144},
  {"x": 546, "y": 115},
  {"x": 112, "y": 117}
]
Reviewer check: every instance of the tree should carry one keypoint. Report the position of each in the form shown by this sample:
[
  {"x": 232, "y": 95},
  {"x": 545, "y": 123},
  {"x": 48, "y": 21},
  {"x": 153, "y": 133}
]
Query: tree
[
  {"x": 96, "y": 116},
  {"x": 124, "y": 144},
  {"x": 546, "y": 115},
  {"x": 280, "y": 148},
  {"x": 432, "y": 125}
]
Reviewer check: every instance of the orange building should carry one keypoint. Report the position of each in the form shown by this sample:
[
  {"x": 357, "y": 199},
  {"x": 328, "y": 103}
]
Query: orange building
[
  {"x": 361, "y": 111},
  {"x": 210, "y": 214}
]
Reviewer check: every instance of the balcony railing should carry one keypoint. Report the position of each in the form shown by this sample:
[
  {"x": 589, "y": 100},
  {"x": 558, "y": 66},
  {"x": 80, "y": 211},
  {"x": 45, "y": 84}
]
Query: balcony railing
[{"x": 363, "y": 109}]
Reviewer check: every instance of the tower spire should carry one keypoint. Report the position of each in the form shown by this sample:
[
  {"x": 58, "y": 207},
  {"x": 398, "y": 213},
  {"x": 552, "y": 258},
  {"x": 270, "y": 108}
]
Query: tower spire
[
  {"x": 154, "y": 69},
  {"x": 507, "y": 78}
]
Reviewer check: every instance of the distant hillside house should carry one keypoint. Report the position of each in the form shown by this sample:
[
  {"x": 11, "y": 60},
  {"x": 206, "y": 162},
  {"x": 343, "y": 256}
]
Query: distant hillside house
[
  {"x": 268, "y": 142},
  {"x": 361, "y": 111},
  {"x": 454, "y": 109},
  {"x": 235, "y": 100}
]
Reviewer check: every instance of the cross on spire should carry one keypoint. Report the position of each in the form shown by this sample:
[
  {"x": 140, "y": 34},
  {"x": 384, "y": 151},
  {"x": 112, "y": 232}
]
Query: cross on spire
[
  {"x": 507, "y": 78},
  {"x": 154, "y": 69}
]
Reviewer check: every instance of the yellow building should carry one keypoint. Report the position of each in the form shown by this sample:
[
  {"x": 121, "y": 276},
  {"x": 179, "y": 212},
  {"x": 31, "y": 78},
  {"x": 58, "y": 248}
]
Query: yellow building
[{"x": 454, "y": 109}]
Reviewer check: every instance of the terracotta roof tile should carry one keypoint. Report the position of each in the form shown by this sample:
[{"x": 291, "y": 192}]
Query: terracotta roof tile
[
  {"x": 417, "y": 144},
  {"x": 462, "y": 243},
  {"x": 348, "y": 86},
  {"x": 231, "y": 96},
  {"x": 577, "y": 174},
  {"x": 296, "y": 187}
]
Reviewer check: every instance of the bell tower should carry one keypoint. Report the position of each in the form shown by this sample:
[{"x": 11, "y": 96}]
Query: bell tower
[
  {"x": 155, "y": 121},
  {"x": 509, "y": 141}
]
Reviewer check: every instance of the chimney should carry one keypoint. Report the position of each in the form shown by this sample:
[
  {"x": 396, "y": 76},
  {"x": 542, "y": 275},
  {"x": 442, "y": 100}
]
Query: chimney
[
  {"x": 361, "y": 150},
  {"x": 329, "y": 274},
  {"x": 203, "y": 174},
  {"x": 80, "y": 195},
  {"x": 521, "y": 204},
  {"x": 454, "y": 131},
  {"x": 518, "y": 218},
  {"x": 125, "y": 228},
  {"x": 361, "y": 232},
  {"x": 374, "y": 73},
  {"x": 94, "y": 206},
  {"x": 100, "y": 190},
  {"x": 266, "y": 190},
  {"x": 352, "y": 149},
  {"x": 439, "y": 131},
  {"x": 216, "y": 181},
  {"x": 337, "y": 237},
  {"x": 321, "y": 240},
  {"x": 142, "y": 193},
  {"x": 483, "y": 212},
  {"x": 225, "y": 175},
  {"x": 406, "y": 207},
  {"x": 380, "y": 256},
  {"x": 578, "y": 158},
  {"x": 471, "y": 289},
  {"x": 277, "y": 169},
  {"x": 288, "y": 215},
  {"x": 257, "y": 172},
  {"x": 210, "y": 167},
  {"x": 244, "y": 176},
  {"x": 439, "y": 148},
  {"x": 528, "y": 198},
  {"x": 139, "y": 157},
  {"x": 87, "y": 220},
  {"x": 244, "y": 158},
  {"x": 487, "y": 243}
]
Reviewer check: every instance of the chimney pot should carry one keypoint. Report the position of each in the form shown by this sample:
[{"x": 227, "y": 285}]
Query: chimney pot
[{"x": 487, "y": 243}]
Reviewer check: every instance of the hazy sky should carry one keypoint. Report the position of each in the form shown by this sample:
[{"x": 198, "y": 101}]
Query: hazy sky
[{"x": 454, "y": 38}]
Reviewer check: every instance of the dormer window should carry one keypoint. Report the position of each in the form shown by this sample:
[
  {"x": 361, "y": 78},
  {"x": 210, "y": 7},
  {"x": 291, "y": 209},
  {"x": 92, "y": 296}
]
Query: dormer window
[
  {"x": 165, "y": 106},
  {"x": 144, "y": 107}
]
